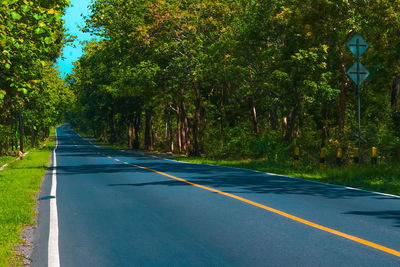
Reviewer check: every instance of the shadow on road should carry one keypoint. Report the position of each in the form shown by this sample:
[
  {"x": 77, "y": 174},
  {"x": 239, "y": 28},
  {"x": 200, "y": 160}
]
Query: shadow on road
[
  {"x": 393, "y": 215},
  {"x": 230, "y": 180}
]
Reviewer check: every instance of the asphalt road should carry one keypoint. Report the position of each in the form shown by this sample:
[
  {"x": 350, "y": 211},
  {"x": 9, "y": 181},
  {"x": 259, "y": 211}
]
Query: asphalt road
[{"x": 124, "y": 209}]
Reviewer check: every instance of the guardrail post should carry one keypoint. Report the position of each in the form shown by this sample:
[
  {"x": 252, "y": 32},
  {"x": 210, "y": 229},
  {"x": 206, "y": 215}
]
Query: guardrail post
[
  {"x": 339, "y": 156},
  {"x": 356, "y": 155},
  {"x": 296, "y": 157},
  {"x": 322, "y": 158},
  {"x": 374, "y": 155}
]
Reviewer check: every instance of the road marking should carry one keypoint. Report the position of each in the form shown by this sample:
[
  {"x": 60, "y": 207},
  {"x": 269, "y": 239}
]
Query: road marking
[
  {"x": 53, "y": 259},
  {"x": 284, "y": 214},
  {"x": 289, "y": 177}
]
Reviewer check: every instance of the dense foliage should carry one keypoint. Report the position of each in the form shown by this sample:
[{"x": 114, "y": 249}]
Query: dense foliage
[
  {"x": 32, "y": 95},
  {"x": 236, "y": 77}
]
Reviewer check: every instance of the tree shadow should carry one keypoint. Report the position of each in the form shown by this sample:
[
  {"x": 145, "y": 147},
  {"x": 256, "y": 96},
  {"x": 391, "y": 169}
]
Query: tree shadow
[
  {"x": 239, "y": 181},
  {"x": 393, "y": 215},
  {"x": 230, "y": 180}
]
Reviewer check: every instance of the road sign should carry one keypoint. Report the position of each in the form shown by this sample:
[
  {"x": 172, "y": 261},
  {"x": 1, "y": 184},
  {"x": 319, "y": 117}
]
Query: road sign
[
  {"x": 357, "y": 45},
  {"x": 358, "y": 73}
]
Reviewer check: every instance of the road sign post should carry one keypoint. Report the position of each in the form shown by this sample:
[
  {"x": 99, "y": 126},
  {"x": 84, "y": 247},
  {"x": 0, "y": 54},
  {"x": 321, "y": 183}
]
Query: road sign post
[{"x": 358, "y": 73}]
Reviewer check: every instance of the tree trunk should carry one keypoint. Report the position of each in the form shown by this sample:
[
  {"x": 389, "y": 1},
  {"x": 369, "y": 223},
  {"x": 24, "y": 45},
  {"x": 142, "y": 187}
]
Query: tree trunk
[
  {"x": 184, "y": 129},
  {"x": 395, "y": 93},
  {"x": 21, "y": 132},
  {"x": 147, "y": 131},
  {"x": 254, "y": 115},
  {"x": 197, "y": 121},
  {"x": 136, "y": 127},
  {"x": 185, "y": 135},
  {"x": 111, "y": 123},
  {"x": 131, "y": 130},
  {"x": 221, "y": 124},
  {"x": 170, "y": 135},
  {"x": 14, "y": 136},
  {"x": 179, "y": 129},
  {"x": 291, "y": 119},
  {"x": 33, "y": 136},
  {"x": 274, "y": 119},
  {"x": 284, "y": 125},
  {"x": 341, "y": 104}
]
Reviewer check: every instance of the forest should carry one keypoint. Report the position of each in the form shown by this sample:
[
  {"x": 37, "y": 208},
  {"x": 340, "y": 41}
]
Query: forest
[
  {"x": 32, "y": 95},
  {"x": 225, "y": 78},
  {"x": 239, "y": 78}
]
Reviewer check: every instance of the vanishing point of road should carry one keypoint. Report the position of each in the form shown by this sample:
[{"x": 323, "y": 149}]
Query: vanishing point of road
[{"x": 104, "y": 207}]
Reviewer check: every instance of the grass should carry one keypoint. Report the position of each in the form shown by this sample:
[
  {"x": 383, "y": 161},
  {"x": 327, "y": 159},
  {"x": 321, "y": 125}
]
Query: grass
[
  {"x": 384, "y": 177},
  {"x": 6, "y": 159},
  {"x": 19, "y": 184}
]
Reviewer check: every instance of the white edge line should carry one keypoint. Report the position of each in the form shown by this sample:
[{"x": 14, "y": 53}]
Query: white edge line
[{"x": 53, "y": 259}]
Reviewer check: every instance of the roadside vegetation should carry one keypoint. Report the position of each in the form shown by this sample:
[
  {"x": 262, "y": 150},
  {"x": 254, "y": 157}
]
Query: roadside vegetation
[
  {"x": 245, "y": 79},
  {"x": 19, "y": 184},
  {"x": 33, "y": 97},
  {"x": 5, "y": 159},
  {"x": 239, "y": 78}
]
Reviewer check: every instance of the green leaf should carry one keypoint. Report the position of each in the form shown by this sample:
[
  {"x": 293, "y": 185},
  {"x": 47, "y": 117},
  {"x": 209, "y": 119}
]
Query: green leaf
[
  {"x": 39, "y": 30},
  {"x": 23, "y": 90},
  {"x": 25, "y": 8},
  {"x": 57, "y": 16},
  {"x": 15, "y": 15},
  {"x": 8, "y": 66},
  {"x": 48, "y": 40}
]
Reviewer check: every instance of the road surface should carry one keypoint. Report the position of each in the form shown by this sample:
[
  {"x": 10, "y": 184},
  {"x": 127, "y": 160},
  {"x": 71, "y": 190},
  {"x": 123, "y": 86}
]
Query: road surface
[{"x": 128, "y": 209}]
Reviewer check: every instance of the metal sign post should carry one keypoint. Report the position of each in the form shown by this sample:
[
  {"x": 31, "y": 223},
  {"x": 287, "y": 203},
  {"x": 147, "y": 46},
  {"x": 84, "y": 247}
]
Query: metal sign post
[{"x": 358, "y": 73}]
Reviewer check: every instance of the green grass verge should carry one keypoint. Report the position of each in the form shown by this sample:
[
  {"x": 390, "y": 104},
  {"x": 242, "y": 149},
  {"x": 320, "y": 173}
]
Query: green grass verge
[
  {"x": 6, "y": 159},
  {"x": 384, "y": 177},
  {"x": 19, "y": 183}
]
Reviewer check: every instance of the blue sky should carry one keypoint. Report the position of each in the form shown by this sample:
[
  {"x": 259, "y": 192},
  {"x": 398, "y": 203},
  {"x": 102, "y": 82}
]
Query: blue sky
[{"x": 73, "y": 19}]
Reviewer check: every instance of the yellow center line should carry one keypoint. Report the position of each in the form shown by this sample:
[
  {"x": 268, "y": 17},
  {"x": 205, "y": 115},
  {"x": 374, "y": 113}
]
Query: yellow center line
[{"x": 284, "y": 214}]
